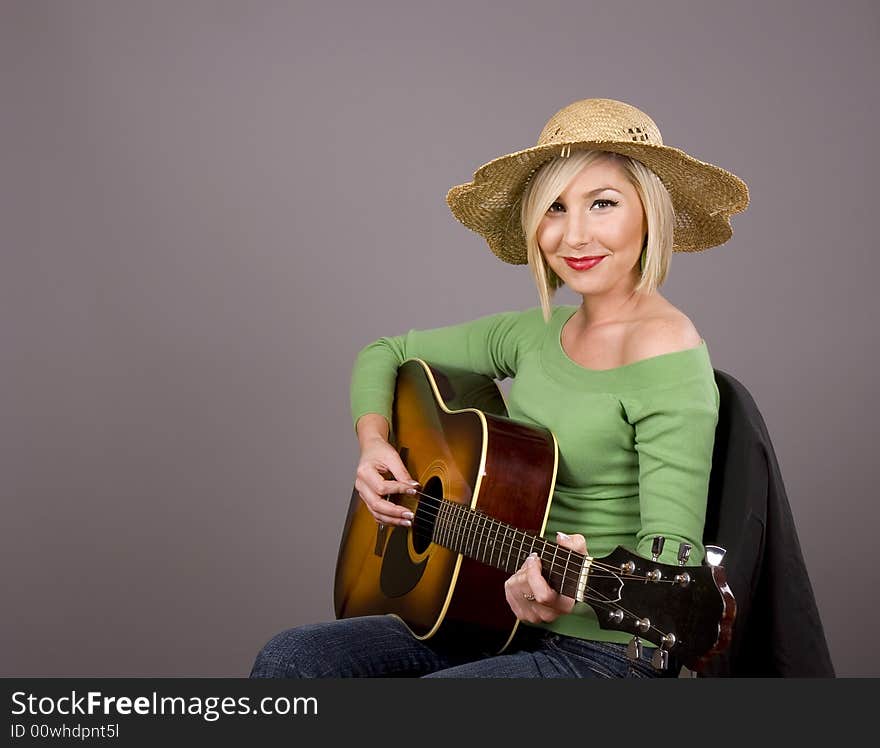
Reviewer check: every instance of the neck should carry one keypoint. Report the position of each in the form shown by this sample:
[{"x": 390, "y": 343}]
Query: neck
[{"x": 614, "y": 306}]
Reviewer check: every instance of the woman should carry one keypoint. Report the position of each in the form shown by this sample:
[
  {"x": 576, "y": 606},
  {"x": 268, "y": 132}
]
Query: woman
[{"x": 624, "y": 381}]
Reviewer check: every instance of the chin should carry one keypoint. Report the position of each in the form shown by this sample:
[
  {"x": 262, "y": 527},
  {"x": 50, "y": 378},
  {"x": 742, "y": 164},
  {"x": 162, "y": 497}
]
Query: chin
[
  {"x": 585, "y": 289},
  {"x": 575, "y": 280}
]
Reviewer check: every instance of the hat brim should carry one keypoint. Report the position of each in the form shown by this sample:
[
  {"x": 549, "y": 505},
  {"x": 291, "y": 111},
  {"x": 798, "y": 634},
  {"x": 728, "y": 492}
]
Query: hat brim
[{"x": 704, "y": 196}]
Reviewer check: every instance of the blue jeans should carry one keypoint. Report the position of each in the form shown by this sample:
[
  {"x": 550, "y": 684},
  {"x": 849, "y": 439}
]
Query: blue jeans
[{"x": 382, "y": 646}]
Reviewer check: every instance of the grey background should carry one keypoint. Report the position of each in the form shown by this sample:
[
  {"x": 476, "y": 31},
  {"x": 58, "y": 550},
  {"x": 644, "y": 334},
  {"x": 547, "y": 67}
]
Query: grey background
[{"x": 207, "y": 208}]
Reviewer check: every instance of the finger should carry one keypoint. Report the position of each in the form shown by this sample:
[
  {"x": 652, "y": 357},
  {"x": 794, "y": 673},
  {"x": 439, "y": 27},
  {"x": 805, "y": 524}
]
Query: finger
[
  {"x": 548, "y": 601},
  {"x": 530, "y": 611},
  {"x": 385, "y": 519},
  {"x": 577, "y": 542},
  {"x": 383, "y": 510},
  {"x": 522, "y": 608},
  {"x": 536, "y": 583},
  {"x": 394, "y": 465},
  {"x": 391, "y": 487},
  {"x": 381, "y": 480},
  {"x": 391, "y": 513}
]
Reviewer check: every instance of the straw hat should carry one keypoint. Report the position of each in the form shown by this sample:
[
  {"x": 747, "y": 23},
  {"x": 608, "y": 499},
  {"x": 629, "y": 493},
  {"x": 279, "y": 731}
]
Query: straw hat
[{"x": 704, "y": 196}]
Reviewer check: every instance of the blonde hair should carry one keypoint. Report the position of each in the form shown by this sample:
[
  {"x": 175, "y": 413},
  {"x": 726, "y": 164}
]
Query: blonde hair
[{"x": 551, "y": 179}]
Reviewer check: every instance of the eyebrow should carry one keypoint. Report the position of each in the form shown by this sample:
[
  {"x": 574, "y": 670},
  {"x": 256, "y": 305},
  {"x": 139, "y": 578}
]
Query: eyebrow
[{"x": 600, "y": 189}]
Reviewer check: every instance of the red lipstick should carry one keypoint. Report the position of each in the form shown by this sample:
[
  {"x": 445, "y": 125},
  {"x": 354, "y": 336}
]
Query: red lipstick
[{"x": 583, "y": 263}]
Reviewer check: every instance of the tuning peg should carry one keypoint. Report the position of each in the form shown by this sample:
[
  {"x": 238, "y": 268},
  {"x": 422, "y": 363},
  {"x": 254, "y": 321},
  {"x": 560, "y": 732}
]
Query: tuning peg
[
  {"x": 714, "y": 555},
  {"x": 634, "y": 649},
  {"x": 684, "y": 552},
  {"x": 657, "y": 547},
  {"x": 660, "y": 659}
]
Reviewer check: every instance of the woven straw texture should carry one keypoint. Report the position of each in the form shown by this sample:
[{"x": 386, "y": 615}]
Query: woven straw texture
[{"x": 704, "y": 196}]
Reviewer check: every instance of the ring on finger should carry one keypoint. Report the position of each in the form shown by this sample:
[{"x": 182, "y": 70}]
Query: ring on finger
[{"x": 528, "y": 596}]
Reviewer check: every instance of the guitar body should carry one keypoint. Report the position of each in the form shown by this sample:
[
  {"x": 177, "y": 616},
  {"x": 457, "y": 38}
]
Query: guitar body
[{"x": 452, "y": 433}]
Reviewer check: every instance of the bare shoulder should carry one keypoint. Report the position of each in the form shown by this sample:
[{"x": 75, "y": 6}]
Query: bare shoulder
[{"x": 669, "y": 332}]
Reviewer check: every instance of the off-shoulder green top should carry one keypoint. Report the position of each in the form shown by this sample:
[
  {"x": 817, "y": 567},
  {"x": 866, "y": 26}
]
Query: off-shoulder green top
[{"x": 635, "y": 442}]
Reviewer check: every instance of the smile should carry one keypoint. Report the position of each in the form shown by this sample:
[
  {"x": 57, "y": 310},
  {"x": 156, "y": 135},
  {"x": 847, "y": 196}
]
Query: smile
[{"x": 583, "y": 263}]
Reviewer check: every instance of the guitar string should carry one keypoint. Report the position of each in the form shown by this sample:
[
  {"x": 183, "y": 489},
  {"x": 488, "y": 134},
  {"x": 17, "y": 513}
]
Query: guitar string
[
  {"x": 467, "y": 511},
  {"x": 614, "y": 572},
  {"x": 597, "y": 596}
]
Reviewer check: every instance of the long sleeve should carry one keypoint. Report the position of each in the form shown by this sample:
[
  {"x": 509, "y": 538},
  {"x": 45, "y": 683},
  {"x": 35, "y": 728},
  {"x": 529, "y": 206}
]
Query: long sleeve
[
  {"x": 489, "y": 345},
  {"x": 674, "y": 436}
]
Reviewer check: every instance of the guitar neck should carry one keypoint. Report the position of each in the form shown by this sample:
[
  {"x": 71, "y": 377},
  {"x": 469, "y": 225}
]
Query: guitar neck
[{"x": 502, "y": 546}]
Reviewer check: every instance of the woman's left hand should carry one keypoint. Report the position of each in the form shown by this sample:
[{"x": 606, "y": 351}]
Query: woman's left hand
[{"x": 530, "y": 597}]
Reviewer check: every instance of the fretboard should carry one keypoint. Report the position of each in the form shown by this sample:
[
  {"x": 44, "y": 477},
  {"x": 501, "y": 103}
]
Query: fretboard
[{"x": 502, "y": 546}]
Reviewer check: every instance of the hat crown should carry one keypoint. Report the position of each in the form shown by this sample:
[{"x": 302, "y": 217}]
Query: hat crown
[{"x": 600, "y": 120}]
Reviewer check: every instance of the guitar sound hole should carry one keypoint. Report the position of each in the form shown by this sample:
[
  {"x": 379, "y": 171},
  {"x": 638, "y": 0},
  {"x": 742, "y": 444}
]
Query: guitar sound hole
[{"x": 426, "y": 514}]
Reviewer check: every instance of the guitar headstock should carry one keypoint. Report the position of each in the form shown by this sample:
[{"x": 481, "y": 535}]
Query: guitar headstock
[{"x": 686, "y": 611}]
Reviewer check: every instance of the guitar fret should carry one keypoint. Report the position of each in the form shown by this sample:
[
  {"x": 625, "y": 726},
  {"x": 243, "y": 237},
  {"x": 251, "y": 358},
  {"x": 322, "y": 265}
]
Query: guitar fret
[
  {"x": 491, "y": 535},
  {"x": 475, "y": 543},
  {"x": 500, "y": 537},
  {"x": 443, "y": 521},
  {"x": 449, "y": 518},
  {"x": 440, "y": 523},
  {"x": 454, "y": 526},
  {"x": 509, "y": 549},
  {"x": 487, "y": 539},
  {"x": 565, "y": 574},
  {"x": 484, "y": 538},
  {"x": 458, "y": 516},
  {"x": 468, "y": 535},
  {"x": 466, "y": 525},
  {"x": 438, "y": 527},
  {"x": 452, "y": 518},
  {"x": 474, "y": 520},
  {"x": 510, "y": 533},
  {"x": 514, "y": 564},
  {"x": 472, "y": 535},
  {"x": 481, "y": 549},
  {"x": 495, "y": 544},
  {"x": 490, "y": 539}
]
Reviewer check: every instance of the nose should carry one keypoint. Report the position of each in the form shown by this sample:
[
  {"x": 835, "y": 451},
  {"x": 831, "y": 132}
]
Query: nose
[{"x": 577, "y": 229}]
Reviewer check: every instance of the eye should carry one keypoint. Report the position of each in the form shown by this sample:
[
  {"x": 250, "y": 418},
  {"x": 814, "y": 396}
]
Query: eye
[{"x": 557, "y": 207}]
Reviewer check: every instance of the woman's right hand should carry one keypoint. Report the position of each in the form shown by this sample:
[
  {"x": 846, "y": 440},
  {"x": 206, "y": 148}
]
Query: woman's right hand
[{"x": 379, "y": 459}]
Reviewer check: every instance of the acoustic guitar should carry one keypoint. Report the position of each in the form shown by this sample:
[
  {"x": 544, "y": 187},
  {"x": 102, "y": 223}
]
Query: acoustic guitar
[{"x": 486, "y": 486}]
